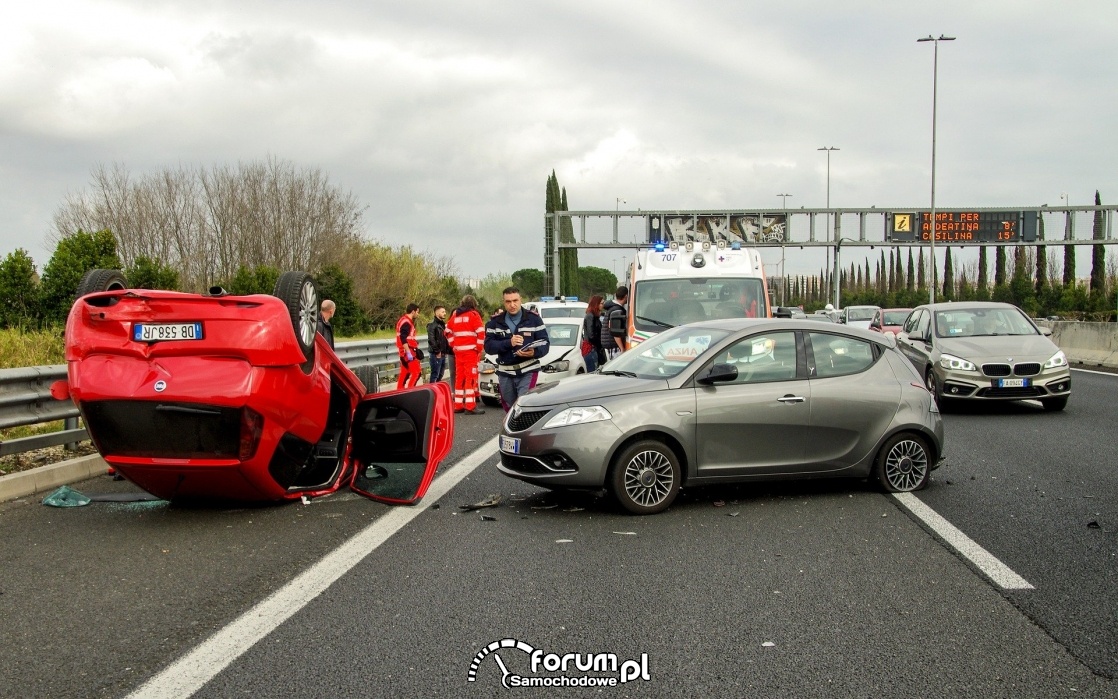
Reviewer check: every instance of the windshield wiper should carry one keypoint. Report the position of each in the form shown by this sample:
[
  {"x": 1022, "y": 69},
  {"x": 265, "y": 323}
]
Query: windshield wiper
[
  {"x": 661, "y": 323},
  {"x": 615, "y": 372}
]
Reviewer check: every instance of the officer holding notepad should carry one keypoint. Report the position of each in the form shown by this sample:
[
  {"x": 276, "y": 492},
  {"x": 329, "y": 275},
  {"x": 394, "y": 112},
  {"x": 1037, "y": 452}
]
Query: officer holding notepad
[{"x": 518, "y": 337}]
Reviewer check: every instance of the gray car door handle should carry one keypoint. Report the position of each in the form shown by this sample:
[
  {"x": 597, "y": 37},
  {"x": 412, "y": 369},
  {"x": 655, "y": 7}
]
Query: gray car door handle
[{"x": 791, "y": 399}]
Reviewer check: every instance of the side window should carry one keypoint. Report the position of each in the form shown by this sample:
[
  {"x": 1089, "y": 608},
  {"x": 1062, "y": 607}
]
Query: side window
[
  {"x": 910, "y": 322},
  {"x": 761, "y": 358},
  {"x": 836, "y": 355},
  {"x": 923, "y": 322}
]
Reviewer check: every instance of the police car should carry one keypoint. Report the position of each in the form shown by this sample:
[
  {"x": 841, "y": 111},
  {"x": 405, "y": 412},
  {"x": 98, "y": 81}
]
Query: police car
[{"x": 561, "y": 361}]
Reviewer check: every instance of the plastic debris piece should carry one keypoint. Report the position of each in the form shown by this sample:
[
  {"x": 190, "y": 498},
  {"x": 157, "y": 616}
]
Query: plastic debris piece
[
  {"x": 491, "y": 501},
  {"x": 719, "y": 503},
  {"x": 627, "y": 533},
  {"x": 66, "y": 497},
  {"x": 488, "y": 518},
  {"x": 732, "y": 514},
  {"x": 564, "y": 541},
  {"x": 544, "y": 507},
  {"x": 575, "y": 509},
  {"x": 768, "y": 644},
  {"x": 435, "y": 506},
  {"x": 306, "y": 500},
  {"x": 1093, "y": 524}
]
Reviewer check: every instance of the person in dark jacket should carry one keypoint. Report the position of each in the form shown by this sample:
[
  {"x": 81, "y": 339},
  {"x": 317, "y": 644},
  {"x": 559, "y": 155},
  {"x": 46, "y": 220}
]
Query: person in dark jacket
[
  {"x": 518, "y": 337},
  {"x": 326, "y": 312},
  {"x": 615, "y": 309},
  {"x": 592, "y": 335},
  {"x": 437, "y": 344}
]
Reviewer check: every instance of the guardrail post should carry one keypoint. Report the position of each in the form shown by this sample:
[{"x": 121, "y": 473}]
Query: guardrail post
[{"x": 70, "y": 423}]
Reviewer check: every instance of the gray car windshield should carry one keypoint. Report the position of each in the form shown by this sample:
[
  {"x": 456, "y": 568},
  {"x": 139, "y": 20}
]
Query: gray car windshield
[
  {"x": 982, "y": 322},
  {"x": 666, "y": 354},
  {"x": 862, "y": 313}
]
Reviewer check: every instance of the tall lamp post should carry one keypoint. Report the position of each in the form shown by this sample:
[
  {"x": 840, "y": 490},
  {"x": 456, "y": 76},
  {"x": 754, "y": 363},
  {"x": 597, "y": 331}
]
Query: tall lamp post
[
  {"x": 932, "y": 232},
  {"x": 620, "y": 201},
  {"x": 829, "y": 234}
]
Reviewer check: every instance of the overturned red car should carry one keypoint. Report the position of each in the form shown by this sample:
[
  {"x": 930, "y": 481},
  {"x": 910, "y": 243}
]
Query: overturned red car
[{"x": 237, "y": 397}]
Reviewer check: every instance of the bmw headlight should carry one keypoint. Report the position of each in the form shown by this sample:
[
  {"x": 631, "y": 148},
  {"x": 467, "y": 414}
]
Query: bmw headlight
[
  {"x": 1056, "y": 360},
  {"x": 578, "y": 416},
  {"x": 950, "y": 361},
  {"x": 562, "y": 365}
]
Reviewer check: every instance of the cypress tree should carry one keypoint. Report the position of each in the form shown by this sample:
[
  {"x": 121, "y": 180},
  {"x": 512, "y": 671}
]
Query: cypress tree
[
  {"x": 1069, "y": 257},
  {"x": 948, "y": 276},
  {"x": 568, "y": 258},
  {"x": 1041, "y": 262},
  {"x": 910, "y": 278},
  {"x": 1098, "y": 259},
  {"x": 999, "y": 266},
  {"x": 921, "y": 275},
  {"x": 549, "y": 234}
]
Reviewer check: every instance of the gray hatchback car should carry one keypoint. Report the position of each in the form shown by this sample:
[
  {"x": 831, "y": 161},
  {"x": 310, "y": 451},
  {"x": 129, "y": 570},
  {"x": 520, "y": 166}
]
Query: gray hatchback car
[
  {"x": 729, "y": 401},
  {"x": 985, "y": 351}
]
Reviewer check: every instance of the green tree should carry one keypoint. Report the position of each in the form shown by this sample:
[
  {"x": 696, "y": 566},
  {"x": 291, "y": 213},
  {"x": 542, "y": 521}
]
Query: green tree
[
  {"x": 1098, "y": 260},
  {"x": 921, "y": 275},
  {"x": 1021, "y": 285},
  {"x": 530, "y": 282},
  {"x": 146, "y": 273},
  {"x": 19, "y": 291},
  {"x": 1041, "y": 280},
  {"x": 253, "y": 280},
  {"x": 568, "y": 257},
  {"x": 595, "y": 280},
  {"x": 75, "y": 255},
  {"x": 948, "y": 276},
  {"x": 999, "y": 266},
  {"x": 349, "y": 318},
  {"x": 982, "y": 285},
  {"x": 910, "y": 278}
]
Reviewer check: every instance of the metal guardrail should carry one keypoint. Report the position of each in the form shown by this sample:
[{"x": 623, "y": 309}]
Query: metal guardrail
[{"x": 25, "y": 397}]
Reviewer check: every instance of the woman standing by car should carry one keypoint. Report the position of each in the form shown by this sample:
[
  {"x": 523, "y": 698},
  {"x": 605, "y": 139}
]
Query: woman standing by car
[{"x": 591, "y": 346}]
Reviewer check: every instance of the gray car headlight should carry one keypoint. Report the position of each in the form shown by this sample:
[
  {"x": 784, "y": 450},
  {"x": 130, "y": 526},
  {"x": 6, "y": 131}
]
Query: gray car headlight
[
  {"x": 950, "y": 361},
  {"x": 562, "y": 365},
  {"x": 578, "y": 416},
  {"x": 1058, "y": 359}
]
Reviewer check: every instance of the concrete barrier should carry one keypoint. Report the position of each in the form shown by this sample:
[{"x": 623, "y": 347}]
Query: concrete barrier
[
  {"x": 1091, "y": 344},
  {"x": 44, "y": 478}
]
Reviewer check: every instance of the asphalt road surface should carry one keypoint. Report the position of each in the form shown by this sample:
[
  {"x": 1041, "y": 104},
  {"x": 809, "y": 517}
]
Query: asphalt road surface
[{"x": 808, "y": 589}]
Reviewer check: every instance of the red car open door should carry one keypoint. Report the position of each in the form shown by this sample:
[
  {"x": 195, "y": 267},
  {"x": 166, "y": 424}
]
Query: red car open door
[{"x": 399, "y": 439}]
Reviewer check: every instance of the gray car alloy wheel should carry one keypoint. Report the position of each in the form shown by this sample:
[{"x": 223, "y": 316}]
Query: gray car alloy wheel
[
  {"x": 903, "y": 464},
  {"x": 646, "y": 477},
  {"x": 308, "y": 312}
]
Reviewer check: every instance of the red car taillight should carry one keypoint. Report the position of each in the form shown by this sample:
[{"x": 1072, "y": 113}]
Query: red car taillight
[{"x": 252, "y": 425}]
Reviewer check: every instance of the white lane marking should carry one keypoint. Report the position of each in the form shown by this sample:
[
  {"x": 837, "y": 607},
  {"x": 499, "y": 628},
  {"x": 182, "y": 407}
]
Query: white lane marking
[
  {"x": 994, "y": 569},
  {"x": 191, "y": 672},
  {"x": 1096, "y": 373}
]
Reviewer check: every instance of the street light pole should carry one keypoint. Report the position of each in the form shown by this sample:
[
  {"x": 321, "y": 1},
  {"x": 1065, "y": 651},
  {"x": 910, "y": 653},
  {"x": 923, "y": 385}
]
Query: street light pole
[
  {"x": 620, "y": 201},
  {"x": 829, "y": 234},
  {"x": 784, "y": 200},
  {"x": 932, "y": 232}
]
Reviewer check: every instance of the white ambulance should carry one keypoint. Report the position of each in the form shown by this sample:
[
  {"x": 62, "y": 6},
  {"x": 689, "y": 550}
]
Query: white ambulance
[{"x": 675, "y": 283}]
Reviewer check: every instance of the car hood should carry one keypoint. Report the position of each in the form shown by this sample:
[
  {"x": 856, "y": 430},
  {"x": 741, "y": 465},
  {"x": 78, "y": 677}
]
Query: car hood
[
  {"x": 586, "y": 387},
  {"x": 1000, "y": 348},
  {"x": 863, "y": 324},
  {"x": 559, "y": 352}
]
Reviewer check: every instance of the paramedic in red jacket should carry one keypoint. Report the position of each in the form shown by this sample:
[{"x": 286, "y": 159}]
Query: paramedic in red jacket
[
  {"x": 466, "y": 332},
  {"x": 408, "y": 347}
]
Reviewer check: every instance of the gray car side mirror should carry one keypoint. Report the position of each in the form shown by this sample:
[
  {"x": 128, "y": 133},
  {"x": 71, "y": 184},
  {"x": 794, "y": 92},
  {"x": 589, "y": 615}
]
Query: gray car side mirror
[{"x": 719, "y": 373}]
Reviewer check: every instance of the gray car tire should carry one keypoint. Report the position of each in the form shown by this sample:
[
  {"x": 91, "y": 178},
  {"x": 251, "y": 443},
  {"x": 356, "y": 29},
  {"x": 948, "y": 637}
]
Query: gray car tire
[
  {"x": 645, "y": 477},
  {"x": 904, "y": 463}
]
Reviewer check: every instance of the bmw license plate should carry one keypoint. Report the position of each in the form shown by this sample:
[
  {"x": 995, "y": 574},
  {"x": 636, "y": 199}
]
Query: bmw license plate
[
  {"x": 510, "y": 445},
  {"x": 156, "y": 332},
  {"x": 1011, "y": 383}
]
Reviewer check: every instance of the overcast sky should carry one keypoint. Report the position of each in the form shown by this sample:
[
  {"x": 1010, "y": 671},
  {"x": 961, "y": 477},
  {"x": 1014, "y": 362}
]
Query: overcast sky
[{"x": 446, "y": 118}]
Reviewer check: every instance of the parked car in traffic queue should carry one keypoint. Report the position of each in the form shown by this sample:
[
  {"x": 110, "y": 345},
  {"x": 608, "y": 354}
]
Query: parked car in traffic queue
[
  {"x": 889, "y": 320},
  {"x": 729, "y": 401},
  {"x": 985, "y": 351},
  {"x": 562, "y": 360},
  {"x": 857, "y": 316}
]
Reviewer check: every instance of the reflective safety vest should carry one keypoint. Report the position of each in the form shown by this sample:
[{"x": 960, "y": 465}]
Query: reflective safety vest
[
  {"x": 412, "y": 343},
  {"x": 465, "y": 330}
]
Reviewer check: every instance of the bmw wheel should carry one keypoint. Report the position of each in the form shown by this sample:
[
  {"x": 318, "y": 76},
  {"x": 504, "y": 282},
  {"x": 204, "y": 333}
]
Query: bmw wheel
[
  {"x": 298, "y": 292},
  {"x": 903, "y": 464},
  {"x": 646, "y": 477}
]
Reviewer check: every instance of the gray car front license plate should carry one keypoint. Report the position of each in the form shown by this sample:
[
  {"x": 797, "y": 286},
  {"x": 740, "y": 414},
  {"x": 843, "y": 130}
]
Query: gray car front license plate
[{"x": 509, "y": 445}]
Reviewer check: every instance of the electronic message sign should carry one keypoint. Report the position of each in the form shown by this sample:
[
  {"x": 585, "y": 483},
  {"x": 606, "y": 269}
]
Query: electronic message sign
[{"x": 963, "y": 227}]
